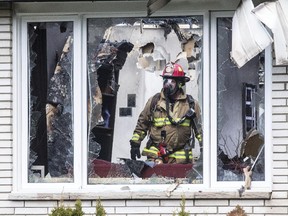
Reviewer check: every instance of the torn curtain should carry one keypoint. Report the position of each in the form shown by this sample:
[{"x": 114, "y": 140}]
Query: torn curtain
[
  {"x": 249, "y": 36},
  {"x": 274, "y": 15}
]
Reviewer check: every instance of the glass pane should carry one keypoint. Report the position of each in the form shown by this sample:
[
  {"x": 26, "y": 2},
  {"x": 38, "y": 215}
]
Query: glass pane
[
  {"x": 50, "y": 46},
  {"x": 240, "y": 111},
  {"x": 126, "y": 57}
]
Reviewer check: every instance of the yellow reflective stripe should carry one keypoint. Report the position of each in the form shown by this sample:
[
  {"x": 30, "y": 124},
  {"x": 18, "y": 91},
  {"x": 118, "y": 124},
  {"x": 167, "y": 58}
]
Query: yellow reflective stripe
[
  {"x": 143, "y": 134},
  {"x": 186, "y": 123},
  {"x": 135, "y": 137},
  {"x": 180, "y": 155},
  {"x": 199, "y": 137},
  {"x": 152, "y": 150},
  {"x": 159, "y": 122}
]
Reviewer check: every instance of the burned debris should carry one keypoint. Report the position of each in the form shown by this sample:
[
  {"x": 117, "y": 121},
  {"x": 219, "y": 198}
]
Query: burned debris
[
  {"x": 109, "y": 60},
  {"x": 189, "y": 40},
  {"x": 110, "y": 57},
  {"x": 59, "y": 118},
  {"x": 250, "y": 161}
]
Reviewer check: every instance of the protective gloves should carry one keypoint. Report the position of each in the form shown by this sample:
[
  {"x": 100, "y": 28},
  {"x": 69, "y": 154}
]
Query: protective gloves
[{"x": 135, "y": 150}]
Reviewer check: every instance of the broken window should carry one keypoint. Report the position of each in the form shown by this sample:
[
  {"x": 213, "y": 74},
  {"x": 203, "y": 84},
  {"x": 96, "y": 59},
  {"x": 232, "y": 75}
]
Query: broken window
[
  {"x": 50, "y": 48},
  {"x": 126, "y": 57},
  {"x": 240, "y": 111}
]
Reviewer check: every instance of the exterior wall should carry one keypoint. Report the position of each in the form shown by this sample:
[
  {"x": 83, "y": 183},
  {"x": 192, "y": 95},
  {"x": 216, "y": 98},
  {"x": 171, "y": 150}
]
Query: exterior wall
[
  {"x": 277, "y": 205},
  {"x": 6, "y": 207}
]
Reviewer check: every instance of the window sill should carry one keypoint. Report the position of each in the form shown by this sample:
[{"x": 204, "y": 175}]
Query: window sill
[{"x": 126, "y": 193}]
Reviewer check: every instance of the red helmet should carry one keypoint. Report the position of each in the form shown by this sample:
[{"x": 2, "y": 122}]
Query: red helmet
[{"x": 173, "y": 70}]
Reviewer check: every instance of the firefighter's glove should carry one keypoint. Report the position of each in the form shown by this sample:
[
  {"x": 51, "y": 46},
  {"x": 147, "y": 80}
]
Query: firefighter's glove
[{"x": 135, "y": 150}]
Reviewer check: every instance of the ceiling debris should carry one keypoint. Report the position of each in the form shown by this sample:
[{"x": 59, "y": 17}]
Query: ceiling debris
[
  {"x": 188, "y": 47},
  {"x": 274, "y": 15},
  {"x": 152, "y": 57},
  {"x": 148, "y": 48},
  {"x": 249, "y": 36},
  {"x": 172, "y": 24}
]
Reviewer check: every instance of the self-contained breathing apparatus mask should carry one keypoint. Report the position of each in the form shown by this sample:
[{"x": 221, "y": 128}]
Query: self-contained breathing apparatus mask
[{"x": 170, "y": 86}]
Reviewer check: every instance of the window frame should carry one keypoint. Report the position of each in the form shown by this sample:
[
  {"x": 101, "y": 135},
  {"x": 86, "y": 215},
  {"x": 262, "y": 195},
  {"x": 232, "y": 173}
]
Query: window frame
[
  {"x": 21, "y": 90},
  {"x": 205, "y": 108},
  {"x": 22, "y": 189},
  {"x": 256, "y": 185}
]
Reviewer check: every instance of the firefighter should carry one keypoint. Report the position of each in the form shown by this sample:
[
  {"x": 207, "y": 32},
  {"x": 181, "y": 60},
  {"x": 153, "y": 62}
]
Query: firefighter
[{"x": 171, "y": 119}]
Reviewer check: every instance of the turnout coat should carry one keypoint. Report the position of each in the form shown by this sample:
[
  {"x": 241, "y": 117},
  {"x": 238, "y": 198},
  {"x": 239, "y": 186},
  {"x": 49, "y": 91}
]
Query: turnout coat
[{"x": 154, "y": 122}]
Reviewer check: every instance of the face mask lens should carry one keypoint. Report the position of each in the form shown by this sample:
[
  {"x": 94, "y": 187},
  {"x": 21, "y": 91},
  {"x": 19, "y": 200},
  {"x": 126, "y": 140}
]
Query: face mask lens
[
  {"x": 167, "y": 81},
  {"x": 169, "y": 86}
]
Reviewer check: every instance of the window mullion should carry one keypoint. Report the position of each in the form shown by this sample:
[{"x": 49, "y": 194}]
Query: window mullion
[
  {"x": 84, "y": 112},
  {"x": 78, "y": 102}
]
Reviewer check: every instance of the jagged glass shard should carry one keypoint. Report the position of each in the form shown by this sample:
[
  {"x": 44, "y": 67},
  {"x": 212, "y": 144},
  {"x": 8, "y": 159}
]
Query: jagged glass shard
[
  {"x": 240, "y": 111},
  {"x": 51, "y": 76}
]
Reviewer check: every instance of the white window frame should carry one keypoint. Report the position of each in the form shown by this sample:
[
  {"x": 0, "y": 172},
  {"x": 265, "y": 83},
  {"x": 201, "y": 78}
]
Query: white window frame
[
  {"x": 80, "y": 188},
  {"x": 205, "y": 109},
  {"x": 21, "y": 105},
  {"x": 256, "y": 185}
]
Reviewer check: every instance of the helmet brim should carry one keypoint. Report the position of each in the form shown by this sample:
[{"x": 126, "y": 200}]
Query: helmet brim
[{"x": 186, "y": 79}]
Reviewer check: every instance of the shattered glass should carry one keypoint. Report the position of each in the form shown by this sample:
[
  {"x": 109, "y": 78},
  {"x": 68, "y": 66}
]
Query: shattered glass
[
  {"x": 51, "y": 150},
  {"x": 123, "y": 55},
  {"x": 240, "y": 111}
]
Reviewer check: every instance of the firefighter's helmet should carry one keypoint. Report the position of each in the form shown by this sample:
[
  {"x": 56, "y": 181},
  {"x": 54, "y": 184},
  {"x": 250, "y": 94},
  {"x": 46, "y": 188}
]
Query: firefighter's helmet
[{"x": 175, "y": 71}]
